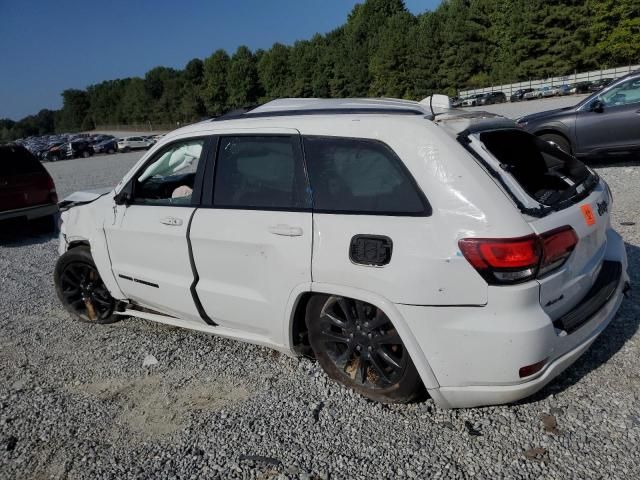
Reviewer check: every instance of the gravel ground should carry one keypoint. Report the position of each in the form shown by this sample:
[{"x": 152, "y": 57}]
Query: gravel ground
[
  {"x": 518, "y": 109},
  {"x": 77, "y": 402}
]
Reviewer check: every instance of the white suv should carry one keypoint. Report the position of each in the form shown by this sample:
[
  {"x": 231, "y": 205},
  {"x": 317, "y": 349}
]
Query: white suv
[
  {"x": 134, "y": 143},
  {"x": 402, "y": 244}
]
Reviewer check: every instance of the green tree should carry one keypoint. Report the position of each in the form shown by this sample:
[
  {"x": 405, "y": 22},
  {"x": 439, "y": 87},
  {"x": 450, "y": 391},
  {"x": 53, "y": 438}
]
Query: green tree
[
  {"x": 274, "y": 72},
  {"x": 75, "y": 107},
  {"x": 214, "y": 89},
  {"x": 391, "y": 64}
]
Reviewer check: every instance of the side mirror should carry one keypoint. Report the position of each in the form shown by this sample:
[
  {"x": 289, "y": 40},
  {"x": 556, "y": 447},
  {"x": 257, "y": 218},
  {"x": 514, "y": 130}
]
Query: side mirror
[{"x": 597, "y": 106}]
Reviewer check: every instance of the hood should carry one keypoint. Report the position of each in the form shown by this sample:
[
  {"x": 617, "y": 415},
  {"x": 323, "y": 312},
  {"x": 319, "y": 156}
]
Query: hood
[
  {"x": 545, "y": 115},
  {"x": 83, "y": 197}
]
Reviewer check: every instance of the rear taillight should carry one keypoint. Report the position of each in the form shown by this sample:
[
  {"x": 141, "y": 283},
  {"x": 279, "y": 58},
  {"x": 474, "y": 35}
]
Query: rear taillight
[
  {"x": 557, "y": 246},
  {"x": 515, "y": 260},
  {"x": 500, "y": 261},
  {"x": 53, "y": 195}
]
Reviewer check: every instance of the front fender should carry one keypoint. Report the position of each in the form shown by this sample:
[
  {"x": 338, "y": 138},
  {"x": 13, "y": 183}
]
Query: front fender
[
  {"x": 85, "y": 224},
  {"x": 556, "y": 127}
]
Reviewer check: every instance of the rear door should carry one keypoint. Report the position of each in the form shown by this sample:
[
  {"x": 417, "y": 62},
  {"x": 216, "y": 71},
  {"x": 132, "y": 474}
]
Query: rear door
[
  {"x": 252, "y": 239},
  {"x": 373, "y": 228}
]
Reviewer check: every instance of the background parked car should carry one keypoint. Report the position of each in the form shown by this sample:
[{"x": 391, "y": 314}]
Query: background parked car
[
  {"x": 456, "y": 102},
  {"x": 491, "y": 98},
  {"x": 26, "y": 188},
  {"x": 600, "y": 84},
  {"x": 558, "y": 91},
  {"x": 134, "y": 143},
  {"x": 518, "y": 94},
  {"x": 535, "y": 93},
  {"x": 472, "y": 100},
  {"x": 605, "y": 124},
  {"x": 79, "y": 148},
  {"x": 547, "y": 92},
  {"x": 106, "y": 146},
  {"x": 58, "y": 151},
  {"x": 580, "y": 87}
]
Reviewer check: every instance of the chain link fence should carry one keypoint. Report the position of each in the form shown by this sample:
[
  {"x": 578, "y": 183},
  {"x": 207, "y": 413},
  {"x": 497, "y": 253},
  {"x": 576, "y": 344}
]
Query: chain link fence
[{"x": 594, "y": 75}]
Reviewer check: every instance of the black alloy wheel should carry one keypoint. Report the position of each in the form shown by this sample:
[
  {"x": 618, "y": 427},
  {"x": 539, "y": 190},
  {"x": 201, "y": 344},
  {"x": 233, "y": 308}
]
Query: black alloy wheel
[
  {"x": 357, "y": 345},
  {"x": 81, "y": 290}
]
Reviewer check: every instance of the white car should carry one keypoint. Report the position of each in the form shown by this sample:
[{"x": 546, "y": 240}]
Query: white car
[
  {"x": 537, "y": 93},
  {"x": 134, "y": 143},
  {"x": 401, "y": 248},
  {"x": 472, "y": 101}
]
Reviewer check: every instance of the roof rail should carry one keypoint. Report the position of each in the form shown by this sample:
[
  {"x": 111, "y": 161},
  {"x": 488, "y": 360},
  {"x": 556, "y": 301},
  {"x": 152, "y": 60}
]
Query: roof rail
[
  {"x": 322, "y": 106},
  {"x": 320, "y": 111},
  {"x": 236, "y": 113}
]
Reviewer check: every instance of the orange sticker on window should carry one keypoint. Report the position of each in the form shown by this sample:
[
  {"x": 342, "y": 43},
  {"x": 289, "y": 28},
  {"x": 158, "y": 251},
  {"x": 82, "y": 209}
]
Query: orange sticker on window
[{"x": 587, "y": 213}]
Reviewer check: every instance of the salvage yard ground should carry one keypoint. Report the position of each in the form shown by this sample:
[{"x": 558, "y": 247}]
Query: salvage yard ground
[{"x": 77, "y": 402}]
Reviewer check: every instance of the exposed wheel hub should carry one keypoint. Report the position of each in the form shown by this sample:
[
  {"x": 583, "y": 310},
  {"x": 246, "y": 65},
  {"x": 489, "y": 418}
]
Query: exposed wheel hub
[
  {"x": 84, "y": 291},
  {"x": 362, "y": 342}
]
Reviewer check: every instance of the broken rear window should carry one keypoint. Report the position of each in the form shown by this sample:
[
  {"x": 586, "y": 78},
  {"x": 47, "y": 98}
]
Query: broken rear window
[{"x": 543, "y": 171}]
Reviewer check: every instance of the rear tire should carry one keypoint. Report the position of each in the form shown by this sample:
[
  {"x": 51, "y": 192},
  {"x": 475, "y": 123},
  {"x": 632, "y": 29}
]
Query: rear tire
[
  {"x": 85, "y": 154},
  {"x": 558, "y": 140},
  {"x": 357, "y": 345},
  {"x": 81, "y": 290},
  {"x": 111, "y": 151}
]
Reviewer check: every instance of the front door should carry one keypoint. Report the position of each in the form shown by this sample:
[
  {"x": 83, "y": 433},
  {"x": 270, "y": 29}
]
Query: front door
[
  {"x": 252, "y": 242},
  {"x": 616, "y": 128},
  {"x": 148, "y": 237}
]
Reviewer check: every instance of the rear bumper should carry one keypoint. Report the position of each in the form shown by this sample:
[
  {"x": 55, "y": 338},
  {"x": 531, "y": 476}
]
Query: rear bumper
[
  {"x": 476, "y": 353},
  {"x": 30, "y": 213},
  {"x": 479, "y": 395}
]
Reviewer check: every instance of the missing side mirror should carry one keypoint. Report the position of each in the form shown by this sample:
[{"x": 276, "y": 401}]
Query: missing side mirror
[{"x": 124, "y": 196}]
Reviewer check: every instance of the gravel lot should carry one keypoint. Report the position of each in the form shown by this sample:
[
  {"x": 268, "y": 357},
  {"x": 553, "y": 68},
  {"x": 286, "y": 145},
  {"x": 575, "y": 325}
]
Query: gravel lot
[{"x": 77, "y": 402}]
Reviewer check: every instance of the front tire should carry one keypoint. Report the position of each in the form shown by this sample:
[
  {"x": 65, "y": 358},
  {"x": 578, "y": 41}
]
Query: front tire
[
  {"x": 357, "y": 345},
  {"x": 81, "y": 290}
]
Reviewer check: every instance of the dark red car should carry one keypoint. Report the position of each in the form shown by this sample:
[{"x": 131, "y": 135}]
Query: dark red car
[{"x": 27, "y": 190}]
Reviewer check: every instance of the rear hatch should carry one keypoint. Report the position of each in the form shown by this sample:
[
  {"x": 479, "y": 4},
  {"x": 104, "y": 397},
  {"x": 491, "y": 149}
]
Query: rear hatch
[
  {"x": 24, "y": 182},
  {"x": 553, "y": 190}
]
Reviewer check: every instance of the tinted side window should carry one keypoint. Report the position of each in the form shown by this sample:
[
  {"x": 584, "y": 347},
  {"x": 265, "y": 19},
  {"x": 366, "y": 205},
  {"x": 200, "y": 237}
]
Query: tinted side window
[
  {"x": 359, "y": 176},
  {"x": 260, "y": 172},
  {"x": 17, "y": 160}
]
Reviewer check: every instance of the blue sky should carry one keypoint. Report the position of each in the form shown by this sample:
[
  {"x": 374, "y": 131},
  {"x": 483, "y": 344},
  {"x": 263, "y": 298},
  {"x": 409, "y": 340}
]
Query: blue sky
[{"x": 47, "y": 46}]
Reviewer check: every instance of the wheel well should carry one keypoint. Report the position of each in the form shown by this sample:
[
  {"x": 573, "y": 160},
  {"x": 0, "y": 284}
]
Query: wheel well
[
  {"x": 548, "y": 131},
  {"x": 299, "y": 335},
  {"x": 78, "y": 243}
]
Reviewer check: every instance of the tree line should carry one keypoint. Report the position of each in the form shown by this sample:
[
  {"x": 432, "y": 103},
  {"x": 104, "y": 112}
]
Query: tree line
[{"x": 381, "y": 50}]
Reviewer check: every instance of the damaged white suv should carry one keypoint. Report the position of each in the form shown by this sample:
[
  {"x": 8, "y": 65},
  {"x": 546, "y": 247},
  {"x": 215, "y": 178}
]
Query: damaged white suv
[{"x": 404, "y": 245}]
